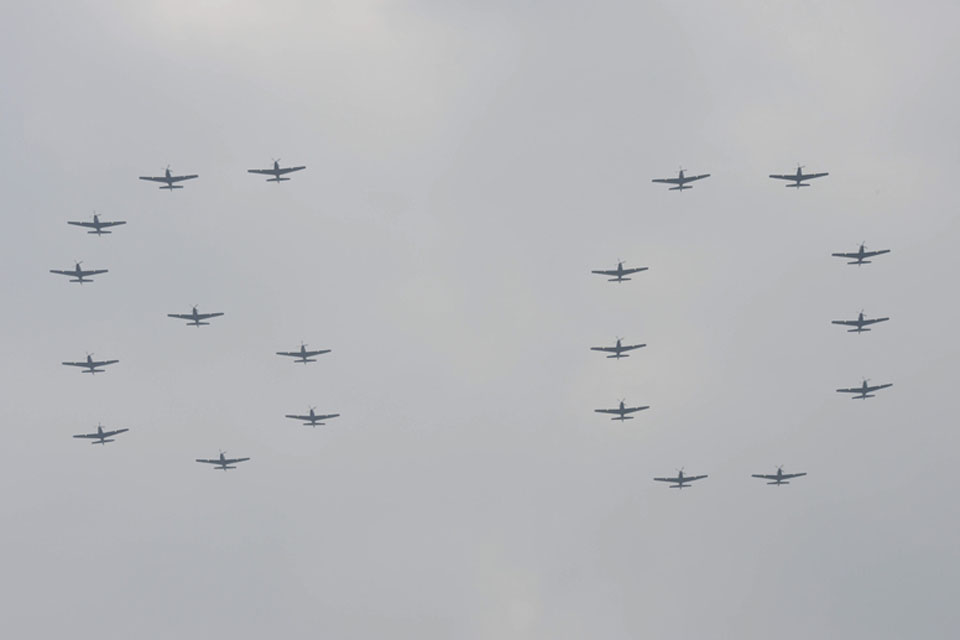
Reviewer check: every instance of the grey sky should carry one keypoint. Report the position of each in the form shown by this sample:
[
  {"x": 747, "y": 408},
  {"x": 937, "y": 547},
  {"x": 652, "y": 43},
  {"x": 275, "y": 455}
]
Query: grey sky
[{"x": 468, "y": 164}]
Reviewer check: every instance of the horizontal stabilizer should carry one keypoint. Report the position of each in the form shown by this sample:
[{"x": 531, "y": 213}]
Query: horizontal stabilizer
[
  {"x": 860, "y": 330},
  {"x": 863, "y": 397},
  {"x": 781, "y": 482},
  {"x": 798, "y": 185},
  {"x": 277, "y": 179},
  {"x": 618, "y": 279}
]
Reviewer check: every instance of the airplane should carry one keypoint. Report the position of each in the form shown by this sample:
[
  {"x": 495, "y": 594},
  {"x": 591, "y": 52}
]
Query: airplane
[
  {"x": 622, "y": 411},
  {"x": 97, "y": 226},
  {"x": 619, "y": 272},
  {"x": 313, "y": 419},
  {"x": 91, "y": 365},
  {"x": 863, "y": 392},
  {"x": 798, "y": 177},
  {"x": 618, "y": 350},
  {"x": 859, "y": 256},
  {"x": 681, "y": 480},
  {"x": 169, "y": 179},
  {"x": 681, "y": 180},
  {"x": 860, "y": 324},
  {"x": 79, "y": 273},
  {"x": 276, "y": 172},
  {"x": 101, "y": 436},
  {"x": 194, "y": 317},
  {"x": 222, "y": 462},
  {"x": 303, "y": 355},
  {"x": 779, "y": 477}
]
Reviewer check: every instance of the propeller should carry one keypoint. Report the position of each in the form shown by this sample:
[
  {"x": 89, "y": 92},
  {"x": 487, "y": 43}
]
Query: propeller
[
  {"x": 313, "y": 408},
  {"x": 222, "y": 452}
]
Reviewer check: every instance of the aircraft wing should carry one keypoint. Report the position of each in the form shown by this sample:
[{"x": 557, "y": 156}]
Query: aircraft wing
[
  {"x": 205, "y": 316},
  {"x": 692, "y": 478},
  {"x": 676, "y": 480},
  {"x": 292, "y": 354},
  {"x": 878, "y": 387},
  {"x": 63, "y": 273},
  {"x": 108, "y": 434},
  {"x": 92, "y": 272},
  {"x": 870, "y": 254},
  {"x": 266, "y": 172},
  {"x": 80, "y": 364},
  {"x": 304, "y": 418},
  {"x": 779, "y": 176},
  {"x": 811, "y": 176},
  {"x": 633, "y": 409},
  {"x": 327, "y": 417},
  {"x": 605, "y": 349},
  {"x": 616, "y": 411},
  {"x": 699, "y": 177},
  {"x": 631, "y": 347},
  {"x": 284, "y": 170},
  {"x": 182, "y": 316},
  {"x": 318, "y": 352},
  {"x": 89, "y": 435},
  {"x": 765, "y": 476},
  {"x": 849, "y": 323},
  {"x": 84, "y": 224},
  {"x": 234, "y": 460},
  {"x": 846, "y": 255},
  {"x": 632, "y": 270},
  {"x": 209, "y": 461},
  {"x": 153, "y": 178},
  {"x": 605, "y": 273},
  {"x": 180, "y": 178},
  {"x": 787, "y": 476},
  {"x": 102, "y": 363},
  {"x": 853, "y": 390},
  {"x": 875, "y": 320},
  {"x": 670, "y": 180},
  {"x": 111, "y": 224}
]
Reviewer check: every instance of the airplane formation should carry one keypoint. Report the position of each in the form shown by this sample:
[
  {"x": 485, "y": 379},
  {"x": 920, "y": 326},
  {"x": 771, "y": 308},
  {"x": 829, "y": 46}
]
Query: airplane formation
[{"x": 617, "y": 351}]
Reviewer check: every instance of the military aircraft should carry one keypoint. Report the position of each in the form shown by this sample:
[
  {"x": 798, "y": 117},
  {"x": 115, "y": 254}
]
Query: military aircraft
[
  {"x": 101, "y": 436},
  {"x": 194, "y": 317},
  {"x": 798, "y": 177},
  {"x": 619, "y": 273},
  {"x": 618, "y": 350},
  {"x": 859, "y": 257},
  {"x": 860, "y": 324},
  {"x": 276, "y": 172},
  {"x": 622, "y": 411},
  {"x": 313, "y": 419},
  {"x": 97, "y": 225},
  {"x": 223, "y": 462},
  {"x": 865, "y": 391},
  {"x": 303, "y": 355},
  {"x": 90, "y": 365},
  {"x": 79, "y": 274},
  {"x": 779, "y": 477},
  {"x": 169, "y": 179},
  {"x": 681, "y": 480},
  {"x": 681, "y": 180}
]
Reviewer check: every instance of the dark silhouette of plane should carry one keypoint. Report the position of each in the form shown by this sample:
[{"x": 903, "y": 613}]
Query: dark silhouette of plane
[
  {"x": 861, "y": 324},
  {"x": 619, "y": 273},
  {"x": 797, "y": 178},
  {"x": 276, "y": 172},
  {"x": 90, "y": 365},
  {"x": 622, "y": 411},
  {"x": 779, "y": 477},
  {"x": 313, "y": 419},
  {"x": 864, "y": 391},
  {"x": 97, "y": 225},
  {"x": 223, "y": 462},
  {"x": 681, "y": 180},
  {"x": 79, "y": 274},
  {"x": 618, "y": 350},
  {"x": 195, "y": 319},
  {"x": 303, "y": 355},
  {"x": 169, "y": 179},
  {"x": 101, "y": 436},
  {"x": 681, "y": 480},
  {"x": 859, "y": 256}
]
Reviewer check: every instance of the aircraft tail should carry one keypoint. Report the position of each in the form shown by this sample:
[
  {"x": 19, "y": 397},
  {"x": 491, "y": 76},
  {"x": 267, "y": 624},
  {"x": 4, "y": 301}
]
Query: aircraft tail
[
  {"x": 859, "y": 330},
  {"x": 618, "y": 279},
  {"x": 798, "y": 185},
  {"x": 860, "y": 262},
  {"x": 100, "y": 232},
  {"x": 172, "y": 186},
  {"x": 680, "y": 187},
  {"x": 623, "y": 418},
  {"x": 677, "y": 486},
  {"x": 277, "y": 179},
  {"x": 224, "y": 468},
  {"x": 200, "y": 324},
  {"x": 101, "y": 441},
  {"x": 80, "y": 280},
  {"x": 93, "y": 371},
  {"x": 619, "y": 355},
  {"x": 781, "y": 482},
  {"x": 306, "y": 360},
  {"x": 863, "y": 397}
]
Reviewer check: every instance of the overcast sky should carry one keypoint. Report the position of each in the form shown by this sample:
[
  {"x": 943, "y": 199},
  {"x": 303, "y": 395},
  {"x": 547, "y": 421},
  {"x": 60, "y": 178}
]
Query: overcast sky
[{"x": 468, "y": 164}]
